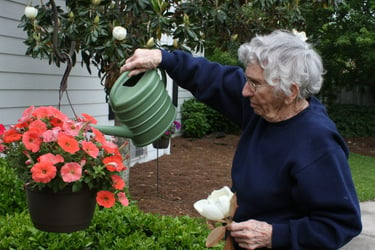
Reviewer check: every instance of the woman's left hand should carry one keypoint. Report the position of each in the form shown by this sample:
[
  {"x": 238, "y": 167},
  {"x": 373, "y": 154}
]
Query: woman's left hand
[{"x": 251, "y": 234}]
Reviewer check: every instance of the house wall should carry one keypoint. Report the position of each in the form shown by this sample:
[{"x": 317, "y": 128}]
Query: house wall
[{"x": 25, "y": 81}]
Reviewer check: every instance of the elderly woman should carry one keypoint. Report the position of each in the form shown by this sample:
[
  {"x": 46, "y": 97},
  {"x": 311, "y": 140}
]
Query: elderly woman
[{"x": 290, "y": 170}]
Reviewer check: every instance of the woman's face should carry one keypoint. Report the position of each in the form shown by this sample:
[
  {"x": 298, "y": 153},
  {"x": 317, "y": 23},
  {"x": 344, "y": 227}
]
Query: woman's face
[{"x": 262, "y": 97}]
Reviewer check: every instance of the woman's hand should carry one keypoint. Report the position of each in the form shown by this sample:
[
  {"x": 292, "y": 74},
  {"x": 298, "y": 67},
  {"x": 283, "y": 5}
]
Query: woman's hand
[
  {"x": 251, "y": 234},
  {"x": 141, "y": 61}
]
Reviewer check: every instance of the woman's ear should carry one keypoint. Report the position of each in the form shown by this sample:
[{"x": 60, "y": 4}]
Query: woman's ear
[{"x": 294, "y": 92}]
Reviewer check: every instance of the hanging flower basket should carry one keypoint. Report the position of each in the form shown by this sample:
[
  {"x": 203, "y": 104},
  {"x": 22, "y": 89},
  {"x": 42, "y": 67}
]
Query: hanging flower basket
[
  {"x": 161, "y": 143},
  {"x": 68, "y": 165},
  {"x": 63, "y": 211}
]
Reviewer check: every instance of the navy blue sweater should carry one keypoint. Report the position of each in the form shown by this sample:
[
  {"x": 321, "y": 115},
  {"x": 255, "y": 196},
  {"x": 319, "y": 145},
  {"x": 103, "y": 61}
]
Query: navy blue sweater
[{"x": 292, "y": 174}]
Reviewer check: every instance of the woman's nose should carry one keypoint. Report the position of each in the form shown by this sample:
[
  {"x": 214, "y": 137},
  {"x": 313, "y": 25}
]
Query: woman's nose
[{"x": 247, "y": 90}]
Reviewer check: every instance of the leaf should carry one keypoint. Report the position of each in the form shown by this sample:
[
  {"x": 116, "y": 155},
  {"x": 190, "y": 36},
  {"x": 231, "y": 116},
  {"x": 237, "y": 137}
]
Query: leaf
[
  {"x": 233, "y": 205},
  {"x": 215, "y": 236},
  {"x": 229, "y": 243}
]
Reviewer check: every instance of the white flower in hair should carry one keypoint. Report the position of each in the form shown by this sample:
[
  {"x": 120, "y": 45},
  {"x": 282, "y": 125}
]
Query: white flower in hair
[{"x": 301, "y": 35}]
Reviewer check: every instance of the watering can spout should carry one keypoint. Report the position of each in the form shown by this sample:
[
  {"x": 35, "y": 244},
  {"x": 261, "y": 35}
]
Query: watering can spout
[{"x": 121, "y": 130}]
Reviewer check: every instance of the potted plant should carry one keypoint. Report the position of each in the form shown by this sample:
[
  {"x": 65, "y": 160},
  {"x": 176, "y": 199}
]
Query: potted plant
[
  {"x": 55, "y": 155},
  {"x": 163, "y": 141}
]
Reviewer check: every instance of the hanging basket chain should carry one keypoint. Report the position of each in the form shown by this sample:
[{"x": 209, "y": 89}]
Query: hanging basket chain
[{"x": 63, "y": 57}]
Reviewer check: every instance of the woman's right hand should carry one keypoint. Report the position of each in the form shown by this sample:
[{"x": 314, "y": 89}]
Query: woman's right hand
[{"x": 141, "y": 61}]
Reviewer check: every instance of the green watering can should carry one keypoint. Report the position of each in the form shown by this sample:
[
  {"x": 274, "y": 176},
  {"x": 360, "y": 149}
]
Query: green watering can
[{"x": 143, "y": 107}]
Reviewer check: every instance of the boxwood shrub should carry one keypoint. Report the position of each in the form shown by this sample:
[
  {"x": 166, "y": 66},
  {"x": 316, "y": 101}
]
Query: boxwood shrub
[
  {"x": 12, "y": 194},
  {"x": 353, "y": 120},
  {"x": 199, "y": 120},
  {"x": 114, "y": 228}
]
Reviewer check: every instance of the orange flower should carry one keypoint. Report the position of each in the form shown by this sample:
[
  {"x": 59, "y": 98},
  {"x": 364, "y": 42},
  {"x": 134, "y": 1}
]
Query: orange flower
[
  {"x": 114, "y": 163},
  {"x": 11, "y": 135},
  {"x": 90, "y": 148},
  {"x": 118, "y": 182},
  {"x": 43, "y": 172},
  {"x": 67, "y": 143},
  {"x": 71, "y": 171},
  {"x": 32, "y": 140},
  {"x": 38, "y": 126},
  {"x": 109, "y": 147},
  {"x": 90, "y": 119},
  {"x": 105, "y": 199},
  {"x": 99, "y": 137}
]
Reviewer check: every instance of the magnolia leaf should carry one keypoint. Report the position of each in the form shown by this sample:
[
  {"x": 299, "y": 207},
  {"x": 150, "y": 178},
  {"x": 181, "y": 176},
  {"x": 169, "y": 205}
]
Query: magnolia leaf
[
  {"x": 233, "y": 205},
  {"x": 229, "y": 243},
  {"x": 215, "y": 236}
]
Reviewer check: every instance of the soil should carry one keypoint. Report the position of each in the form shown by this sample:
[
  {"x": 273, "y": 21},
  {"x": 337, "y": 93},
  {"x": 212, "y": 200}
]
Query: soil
[{"x": 171, "y": 184}]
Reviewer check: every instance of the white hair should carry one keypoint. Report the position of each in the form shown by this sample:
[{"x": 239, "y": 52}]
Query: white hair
[{"x": 285, "y": 59}]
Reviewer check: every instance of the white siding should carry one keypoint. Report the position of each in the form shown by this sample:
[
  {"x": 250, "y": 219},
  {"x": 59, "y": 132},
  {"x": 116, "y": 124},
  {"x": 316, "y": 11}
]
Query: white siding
[{"x": 25, "y": 81}]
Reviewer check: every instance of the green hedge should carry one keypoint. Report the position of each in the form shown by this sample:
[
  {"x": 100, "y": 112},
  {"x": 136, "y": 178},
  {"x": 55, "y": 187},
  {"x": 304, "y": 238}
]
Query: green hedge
[
  {"x": 199, "y": 120},
  {"x": 12, "y": 194},
  {"x": 114, "y": 228},
  {"x": 353, "y": 120}
]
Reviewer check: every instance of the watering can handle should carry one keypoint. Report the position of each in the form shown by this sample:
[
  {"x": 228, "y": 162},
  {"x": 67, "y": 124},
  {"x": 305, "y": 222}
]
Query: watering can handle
[{"x": 163, "y": 77}]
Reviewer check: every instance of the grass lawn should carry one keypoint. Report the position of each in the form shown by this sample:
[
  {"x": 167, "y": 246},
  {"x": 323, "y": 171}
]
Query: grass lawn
[{"x": 363, "y": 172}]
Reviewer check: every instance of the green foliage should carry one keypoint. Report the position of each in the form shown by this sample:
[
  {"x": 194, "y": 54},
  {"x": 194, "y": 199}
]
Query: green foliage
[
  {"x": 363, "y": 172},
  {"x": 345, "y": 37},
  {"x": 12, "y": 194},
  {"x": 198, "y": 120},
  {"x": 224, "y": 57},
  {"x": 353, "y": 120},
  {"x": 115, "y": 228}
]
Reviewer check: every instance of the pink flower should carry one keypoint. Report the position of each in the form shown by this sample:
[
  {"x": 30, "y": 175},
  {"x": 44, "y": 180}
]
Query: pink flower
[
  {"x": 53, "y": 159},
  {"x": 51, "y": 135},
  {"x": 26, "y": 114},
  {"x": 122, "y": 199},
  {"x": 72, "y": 128},
  {"x": 71, "y": 171},
  {"x": 2, "y": 129}
]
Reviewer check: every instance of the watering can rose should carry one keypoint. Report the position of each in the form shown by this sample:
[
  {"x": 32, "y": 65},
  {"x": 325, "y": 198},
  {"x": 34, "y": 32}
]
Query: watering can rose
[{"x": 217, "y": 205}]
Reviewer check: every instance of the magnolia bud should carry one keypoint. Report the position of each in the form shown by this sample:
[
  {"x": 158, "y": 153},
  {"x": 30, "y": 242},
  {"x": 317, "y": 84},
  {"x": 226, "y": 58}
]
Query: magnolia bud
[
  {"x": 31, "y": 12},
  {"x": 119, "y": 33},
  {"x": 175, "y": 43},
  {"x": 234, "y": 37},
  {"x": 95, "y": 2},
  {"x": 186, "y": 19},
  {"x": 150, "y": 43},
  {"x": 96, "y": 19},
  {"x": 71, "y": 15}
]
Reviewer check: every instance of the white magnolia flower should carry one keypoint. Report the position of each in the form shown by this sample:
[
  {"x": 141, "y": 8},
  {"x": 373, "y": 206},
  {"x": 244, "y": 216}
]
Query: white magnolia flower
[
  {"x": 301, "y": 35},
  {"x": 216, "y": 206},
  {"x": 31, "y": 12},
  {"x": 119, "y": 33}
]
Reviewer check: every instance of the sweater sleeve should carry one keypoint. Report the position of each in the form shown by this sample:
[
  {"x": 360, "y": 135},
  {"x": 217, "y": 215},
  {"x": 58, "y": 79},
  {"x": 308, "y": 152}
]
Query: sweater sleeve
[
  {"x": 325, "y": 192},
  {"x": 218, "y": 86}
]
